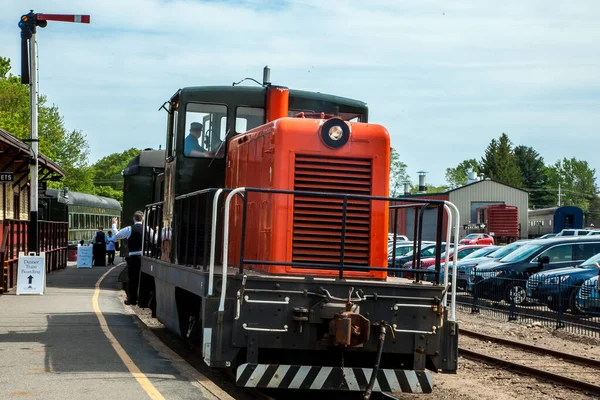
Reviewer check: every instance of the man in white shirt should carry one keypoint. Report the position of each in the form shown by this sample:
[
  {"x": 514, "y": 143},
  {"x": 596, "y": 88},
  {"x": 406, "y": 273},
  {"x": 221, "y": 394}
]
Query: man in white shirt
[{"x": 134, "y": 235}]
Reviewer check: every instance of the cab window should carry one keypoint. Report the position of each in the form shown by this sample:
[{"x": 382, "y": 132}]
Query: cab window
[
  {"x": 205, "y": 130},
  {"x": 247, "y": 118}
]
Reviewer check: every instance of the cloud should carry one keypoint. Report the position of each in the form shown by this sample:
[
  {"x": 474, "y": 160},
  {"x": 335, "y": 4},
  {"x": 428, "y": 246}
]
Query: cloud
[{"x": 444, "y": 78}]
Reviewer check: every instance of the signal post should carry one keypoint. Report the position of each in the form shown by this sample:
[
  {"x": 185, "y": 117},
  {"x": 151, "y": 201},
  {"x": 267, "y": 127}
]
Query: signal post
[{"x": 28, "y": 24}]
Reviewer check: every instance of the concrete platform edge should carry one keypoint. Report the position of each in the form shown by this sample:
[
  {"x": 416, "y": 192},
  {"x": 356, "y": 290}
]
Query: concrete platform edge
[{"x": 198, "y": 379}]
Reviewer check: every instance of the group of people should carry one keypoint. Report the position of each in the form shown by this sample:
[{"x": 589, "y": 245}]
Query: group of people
[{"x": 104, "y": 244}]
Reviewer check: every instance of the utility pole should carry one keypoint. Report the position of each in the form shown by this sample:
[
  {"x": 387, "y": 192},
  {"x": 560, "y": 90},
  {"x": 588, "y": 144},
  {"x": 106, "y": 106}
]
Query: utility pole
[
  {"x": 28, "y": 24},
  {"x": 559, "y": 194}
]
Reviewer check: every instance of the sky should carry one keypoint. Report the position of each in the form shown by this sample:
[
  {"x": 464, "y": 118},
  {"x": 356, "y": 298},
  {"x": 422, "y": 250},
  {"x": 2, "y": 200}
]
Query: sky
[{"x": 444, "y": 77}]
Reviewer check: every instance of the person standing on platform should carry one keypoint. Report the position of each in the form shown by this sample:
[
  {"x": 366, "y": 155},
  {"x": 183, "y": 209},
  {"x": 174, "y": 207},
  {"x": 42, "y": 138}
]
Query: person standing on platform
[
  {"x": 134, "y": 236},
  {"x": 111, "y": 247},
  {"x": 99, "y": 248}
]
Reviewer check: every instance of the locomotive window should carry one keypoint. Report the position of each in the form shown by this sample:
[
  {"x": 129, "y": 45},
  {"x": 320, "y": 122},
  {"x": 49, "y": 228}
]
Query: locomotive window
[
  {"x": 247, "y": 118},
  {"x": 205, "y": 126}
]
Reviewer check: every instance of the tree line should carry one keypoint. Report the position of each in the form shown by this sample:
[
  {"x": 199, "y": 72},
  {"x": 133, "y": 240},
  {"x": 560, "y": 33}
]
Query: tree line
[{"x": 68, "y": 148}]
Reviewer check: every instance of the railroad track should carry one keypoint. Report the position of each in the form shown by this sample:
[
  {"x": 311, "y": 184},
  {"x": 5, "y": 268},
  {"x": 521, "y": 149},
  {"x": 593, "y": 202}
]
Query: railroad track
[{"x": 574, "y": 371}]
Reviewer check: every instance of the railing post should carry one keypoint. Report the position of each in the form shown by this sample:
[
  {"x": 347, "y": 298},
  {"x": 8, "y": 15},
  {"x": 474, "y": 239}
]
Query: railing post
[
  {"x": 475, "y": 304},
  {"x": 511, "y": 309},
  {"x": 559, "y": 308}
]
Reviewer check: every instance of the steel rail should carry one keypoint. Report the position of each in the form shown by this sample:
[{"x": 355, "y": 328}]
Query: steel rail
[
  {"x": 534, "y": 372},
  {"x": 534, "y": 349}
]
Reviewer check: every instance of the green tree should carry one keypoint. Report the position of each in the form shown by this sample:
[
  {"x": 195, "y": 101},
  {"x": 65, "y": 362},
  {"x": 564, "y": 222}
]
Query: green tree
[
  {"x": 107, "y": 171},
  {"x": 577, "y": 182},
  {"x": 500, "y": 162},
  {"x": 535, "y": 176},
  {"x": 457, "y": 176},
  {"x": 67, "y": 148},
  {"x": 397, "y": 174}
]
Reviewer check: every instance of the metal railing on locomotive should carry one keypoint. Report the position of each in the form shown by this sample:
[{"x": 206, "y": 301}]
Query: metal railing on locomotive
[{"x": 441, "y": 205}]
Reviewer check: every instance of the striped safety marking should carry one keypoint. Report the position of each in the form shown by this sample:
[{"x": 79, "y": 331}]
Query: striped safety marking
[{"x": 332, "y": 378}]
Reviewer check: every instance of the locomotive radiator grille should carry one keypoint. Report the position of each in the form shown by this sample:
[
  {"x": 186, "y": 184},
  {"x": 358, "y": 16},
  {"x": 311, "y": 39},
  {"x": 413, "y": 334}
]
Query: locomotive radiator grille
[{"x": 317, "y": 225}]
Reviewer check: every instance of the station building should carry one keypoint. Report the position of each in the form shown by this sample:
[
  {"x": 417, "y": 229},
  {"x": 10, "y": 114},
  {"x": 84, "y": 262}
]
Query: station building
[{"x": 467, "y": 199}]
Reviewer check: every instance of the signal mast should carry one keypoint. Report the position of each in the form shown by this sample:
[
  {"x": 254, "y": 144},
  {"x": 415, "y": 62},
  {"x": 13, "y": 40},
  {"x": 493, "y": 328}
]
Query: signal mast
[{"x": 28, "y": 24}]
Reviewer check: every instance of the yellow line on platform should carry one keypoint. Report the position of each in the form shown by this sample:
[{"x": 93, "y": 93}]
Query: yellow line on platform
[{"x": 135, "y": 371}]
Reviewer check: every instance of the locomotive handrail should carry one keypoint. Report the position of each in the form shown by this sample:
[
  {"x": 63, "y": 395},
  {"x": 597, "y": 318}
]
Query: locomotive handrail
[
  {"x": 454, "y": 272},
  {"x": 213, "y": 237},
  {"x": 226, "y": 246}
]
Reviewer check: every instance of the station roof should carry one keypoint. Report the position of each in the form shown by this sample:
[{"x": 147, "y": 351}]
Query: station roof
[{"x": 15, "y": 156}]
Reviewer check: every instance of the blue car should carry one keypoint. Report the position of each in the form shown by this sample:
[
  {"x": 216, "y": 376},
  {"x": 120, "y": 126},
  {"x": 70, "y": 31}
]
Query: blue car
[
  {"x": 559, "y": 287},
  {"x": 588, "y": 297}
]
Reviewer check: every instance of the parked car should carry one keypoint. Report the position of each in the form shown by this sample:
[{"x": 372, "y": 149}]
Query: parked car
[
  {"x": 467, "y": 264},
  {"x": 480, "y": 254},
  {"x": 460, "y": 252},
  {"x": 477, "y": 238},
  {"x": 588, "y": 297},
  {"x": 560, "y": 286},
  {"x": 427, "y": 250},
  {"x": 507, "y": 277}
]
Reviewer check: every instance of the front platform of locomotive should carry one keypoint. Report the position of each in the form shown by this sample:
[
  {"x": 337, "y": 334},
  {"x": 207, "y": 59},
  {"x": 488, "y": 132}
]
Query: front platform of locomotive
[{"x": 309, "y": 304}]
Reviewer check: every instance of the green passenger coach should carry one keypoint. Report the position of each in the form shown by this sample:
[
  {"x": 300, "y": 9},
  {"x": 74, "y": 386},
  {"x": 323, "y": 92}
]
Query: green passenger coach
[{"x": 84, "y": 212}]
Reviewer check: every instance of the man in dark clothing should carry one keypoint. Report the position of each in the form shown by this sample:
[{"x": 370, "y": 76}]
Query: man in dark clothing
[
  {"x": 99, "y": 248},
  {"x": 134, "y": 236}
]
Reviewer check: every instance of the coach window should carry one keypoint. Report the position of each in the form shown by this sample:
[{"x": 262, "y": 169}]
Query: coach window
[
  {"x": 247, "y": 118},
  {"x": 206, "y": 126}
]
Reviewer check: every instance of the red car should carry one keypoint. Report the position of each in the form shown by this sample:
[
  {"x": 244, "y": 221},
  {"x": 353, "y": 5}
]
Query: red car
[
  {"x": 463, "y": 251},
  {"x": 477, "y": 238}
]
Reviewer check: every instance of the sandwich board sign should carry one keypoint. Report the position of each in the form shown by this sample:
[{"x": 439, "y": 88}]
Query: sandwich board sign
[
  {"x": 84, "y": 256},
  {"x": 31, "y": 277}
]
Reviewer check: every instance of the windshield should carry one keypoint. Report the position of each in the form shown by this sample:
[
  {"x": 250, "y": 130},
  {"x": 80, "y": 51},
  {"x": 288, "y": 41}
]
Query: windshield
[
  {"x": 444, "y": 253},
  {"x": 479, "y": 253},
  {"x": 521, "y": 253},
  {"x": 589, "y": 263},
  {"x": 503, "y": 251},
  {"x": 471, "y": 236},
  {"x": 400, "y": 250}
]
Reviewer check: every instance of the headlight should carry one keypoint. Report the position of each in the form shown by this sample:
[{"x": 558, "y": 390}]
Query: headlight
[
  {"x": 336, "y": 132},
  {"x": 557, "y": 279}
]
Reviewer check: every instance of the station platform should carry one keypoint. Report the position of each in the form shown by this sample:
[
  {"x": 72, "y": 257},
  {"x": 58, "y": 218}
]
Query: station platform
[{"x": 79, "y": 341}]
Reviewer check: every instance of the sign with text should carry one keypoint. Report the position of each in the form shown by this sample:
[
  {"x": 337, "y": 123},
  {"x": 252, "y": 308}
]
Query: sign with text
[
  {"x": 7, "y": 177},
  {"x": 31, "y": 277},
  {"x": 84, "y": 256}
]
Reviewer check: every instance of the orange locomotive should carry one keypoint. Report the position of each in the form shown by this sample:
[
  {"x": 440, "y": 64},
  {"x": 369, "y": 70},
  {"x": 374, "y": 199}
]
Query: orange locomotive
[{"x": 271, "y": 249}]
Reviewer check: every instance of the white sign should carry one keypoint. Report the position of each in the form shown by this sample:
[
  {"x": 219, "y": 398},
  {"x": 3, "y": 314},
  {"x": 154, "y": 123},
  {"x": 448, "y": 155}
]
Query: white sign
[
  {"x": 84, "y": 256},
  {"x": 31, "y": 277}
]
